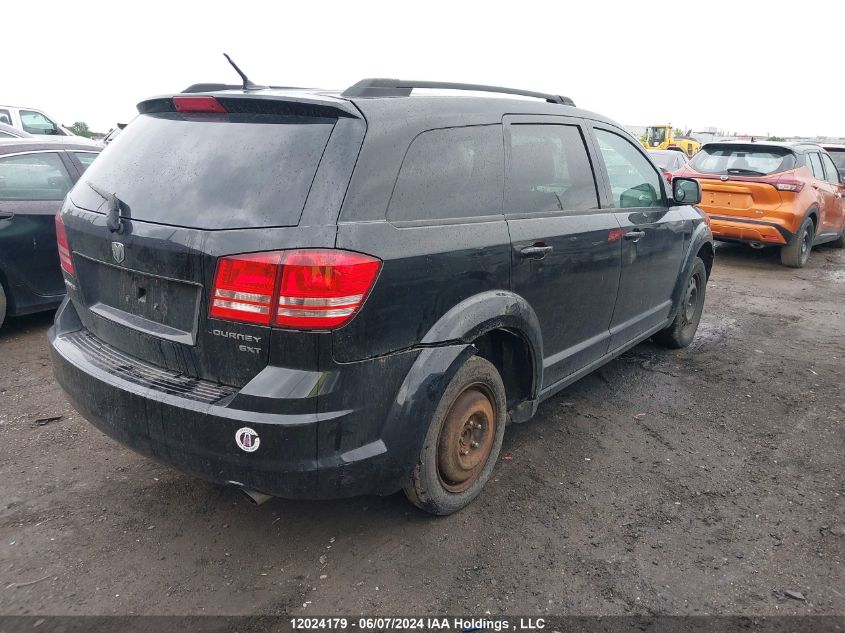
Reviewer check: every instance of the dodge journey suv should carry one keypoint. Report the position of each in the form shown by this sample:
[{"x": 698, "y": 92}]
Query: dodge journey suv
[{"x": 314, "y": 294}]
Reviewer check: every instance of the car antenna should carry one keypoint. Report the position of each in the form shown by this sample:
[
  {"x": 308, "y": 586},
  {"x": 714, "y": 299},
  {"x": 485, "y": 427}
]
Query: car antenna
[{"x": 248, "y": 85}]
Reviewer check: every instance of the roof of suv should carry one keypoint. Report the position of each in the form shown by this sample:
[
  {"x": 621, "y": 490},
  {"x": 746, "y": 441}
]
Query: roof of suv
[
  {"x": 14, "y": 145},
  {"x": 463, "y": 109}
]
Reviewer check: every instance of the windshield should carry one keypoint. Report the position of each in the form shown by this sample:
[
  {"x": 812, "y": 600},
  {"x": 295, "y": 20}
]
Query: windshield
[
  {"x": 210, "y": 171},
  {"x": 838, "y": 156},
  {"x": 656, "y": 135},
  {"x": 742, "y": 160}
]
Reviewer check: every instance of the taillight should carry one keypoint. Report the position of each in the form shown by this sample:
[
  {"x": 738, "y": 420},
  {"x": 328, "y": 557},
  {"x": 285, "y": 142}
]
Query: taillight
[
  {"x": 787, "y": 184},
  {"x": 198, "y": 104},
  {"x": 301, "y": 289},
  {"x": 64, "y": 249},
  {"x": 323, "y": 288},
  {"x": 244, "y": 287}
]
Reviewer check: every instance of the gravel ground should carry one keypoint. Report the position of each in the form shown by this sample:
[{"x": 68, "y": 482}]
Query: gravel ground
[{"x": 708, "y": 480}]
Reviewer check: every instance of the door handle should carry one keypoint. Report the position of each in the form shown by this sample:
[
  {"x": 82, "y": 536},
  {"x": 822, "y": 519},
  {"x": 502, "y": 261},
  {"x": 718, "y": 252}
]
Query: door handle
[
  {"x": 6, "y": 215},
  {"x": 537, "y": 251},
  {"x": 635, "y": 235}
]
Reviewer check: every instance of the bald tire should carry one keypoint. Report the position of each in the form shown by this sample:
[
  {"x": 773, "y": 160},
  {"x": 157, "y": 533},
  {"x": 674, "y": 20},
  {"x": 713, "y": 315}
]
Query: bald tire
[
  {"x": 681, "y": 331},
  {"x": 424, "y": 488}
]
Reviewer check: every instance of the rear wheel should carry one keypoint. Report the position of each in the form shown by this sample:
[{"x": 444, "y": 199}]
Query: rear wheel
[
  {"x": 682, "y": 330},
  {"x": 797, "y": 252},
  {"x": 463, "y": 441},
  {"x": 2, "y": 305}
]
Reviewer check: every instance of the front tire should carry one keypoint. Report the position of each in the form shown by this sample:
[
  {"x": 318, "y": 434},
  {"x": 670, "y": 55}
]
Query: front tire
[
  {"x": 797, "y": 252},
  {"x": 681, "y": 331},
  {"x": 463, "y": 441}
]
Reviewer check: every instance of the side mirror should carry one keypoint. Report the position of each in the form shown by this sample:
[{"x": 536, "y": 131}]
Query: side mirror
[{"x": 686, "y": 191}]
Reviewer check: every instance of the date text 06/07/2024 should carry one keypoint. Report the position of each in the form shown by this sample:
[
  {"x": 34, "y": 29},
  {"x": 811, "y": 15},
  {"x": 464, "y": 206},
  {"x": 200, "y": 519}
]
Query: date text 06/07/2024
[{"x": 465, "y": 625}]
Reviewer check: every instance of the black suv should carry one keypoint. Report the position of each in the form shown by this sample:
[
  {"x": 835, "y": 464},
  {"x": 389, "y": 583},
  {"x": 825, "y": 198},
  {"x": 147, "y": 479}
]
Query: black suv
[{"x": 314, "y": 294}]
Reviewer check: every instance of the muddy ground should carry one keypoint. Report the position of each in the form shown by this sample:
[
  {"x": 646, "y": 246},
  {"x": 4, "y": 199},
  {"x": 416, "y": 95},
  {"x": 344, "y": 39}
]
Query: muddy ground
[{"x": 708, "y": 480}]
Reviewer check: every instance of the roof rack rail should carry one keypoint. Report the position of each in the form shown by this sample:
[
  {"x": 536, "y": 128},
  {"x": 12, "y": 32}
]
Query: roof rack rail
[{"x": 403, "y": 88}]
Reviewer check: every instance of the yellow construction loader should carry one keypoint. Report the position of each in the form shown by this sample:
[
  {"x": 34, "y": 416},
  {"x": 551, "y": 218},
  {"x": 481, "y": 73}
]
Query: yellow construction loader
[{"x": 663, "y": 137}]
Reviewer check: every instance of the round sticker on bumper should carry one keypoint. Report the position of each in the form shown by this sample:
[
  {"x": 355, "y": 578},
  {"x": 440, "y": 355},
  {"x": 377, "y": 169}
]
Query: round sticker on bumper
[{"x": 247, "y": 439}]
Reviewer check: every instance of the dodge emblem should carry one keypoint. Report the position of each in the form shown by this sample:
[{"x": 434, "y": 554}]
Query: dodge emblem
[{"x": 118, "y": 252}]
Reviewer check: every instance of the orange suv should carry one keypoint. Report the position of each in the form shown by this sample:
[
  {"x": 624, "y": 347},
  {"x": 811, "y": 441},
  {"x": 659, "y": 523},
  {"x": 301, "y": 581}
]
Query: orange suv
[{"x": 764, "y": 193}]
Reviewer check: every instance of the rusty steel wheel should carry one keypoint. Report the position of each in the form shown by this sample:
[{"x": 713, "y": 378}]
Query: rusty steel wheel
[
  {"x": 463, "y": 440},
  {"x": 466, "y": 439}
]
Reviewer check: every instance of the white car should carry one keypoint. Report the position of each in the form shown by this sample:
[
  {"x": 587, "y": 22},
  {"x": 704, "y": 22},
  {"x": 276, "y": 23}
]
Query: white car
[{"x": 36, "y": 123}]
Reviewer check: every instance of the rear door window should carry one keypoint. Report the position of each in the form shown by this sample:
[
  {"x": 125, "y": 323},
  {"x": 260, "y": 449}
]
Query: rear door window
[
  {"x": 830, "y": 171},
  {"x": 210, "y": 171},
  {"x": 633, "y": 180},
  {"x": 549, "y": 170},
  {"x": 37, "y": 176},
  {"x": 450, "y": 173},
  {"x": 816, "y": 165}
]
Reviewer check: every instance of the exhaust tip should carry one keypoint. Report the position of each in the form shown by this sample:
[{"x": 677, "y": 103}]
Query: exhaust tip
[
  {"x": 255, "y": 497},
  {"x": 757, "y": 245}
]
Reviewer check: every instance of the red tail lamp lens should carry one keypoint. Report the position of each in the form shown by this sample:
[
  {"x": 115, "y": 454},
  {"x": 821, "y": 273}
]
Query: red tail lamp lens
[
  {"x": 300, "y": 289},
  {"x": 323, "y": 289},
  {"x": 198, "y": 104},
  {"x": 64, "y": 249}
]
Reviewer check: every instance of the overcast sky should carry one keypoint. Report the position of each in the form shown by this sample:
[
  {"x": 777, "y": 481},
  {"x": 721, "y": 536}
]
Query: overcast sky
[{"x": 743, "y": 66}]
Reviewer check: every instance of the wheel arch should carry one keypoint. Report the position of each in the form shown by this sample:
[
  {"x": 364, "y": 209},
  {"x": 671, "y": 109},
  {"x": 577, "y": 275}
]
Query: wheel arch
[
  {"x": 701, "y": 242},
  {"x": 813, "y": 214},
  {"x": 503, "y": 327}
]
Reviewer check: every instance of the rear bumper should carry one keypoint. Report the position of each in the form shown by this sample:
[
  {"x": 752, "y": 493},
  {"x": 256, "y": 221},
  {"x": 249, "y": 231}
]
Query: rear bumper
[
  {"x": 742, "y": 230},
  {"x": 368, "y": 445}
]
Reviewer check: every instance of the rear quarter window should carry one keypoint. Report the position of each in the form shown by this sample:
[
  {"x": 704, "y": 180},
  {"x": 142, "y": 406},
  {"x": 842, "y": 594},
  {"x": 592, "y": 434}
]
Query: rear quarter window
[
  {"x": 450, "y": 173},
  {"x": 210, "y": 171}
]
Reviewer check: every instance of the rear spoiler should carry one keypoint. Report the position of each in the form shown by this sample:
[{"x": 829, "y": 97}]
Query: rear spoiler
[{"x": 252, "y": 103}]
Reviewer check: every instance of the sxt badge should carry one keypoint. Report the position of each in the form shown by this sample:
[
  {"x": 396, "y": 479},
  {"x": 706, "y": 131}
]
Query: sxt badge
[{"x": 247, "y": 440}]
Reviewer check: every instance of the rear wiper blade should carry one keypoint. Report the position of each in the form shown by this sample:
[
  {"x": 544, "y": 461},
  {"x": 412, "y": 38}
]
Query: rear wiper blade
[
  {"x": 739, "y": 171},
  {"x": 113, "y": 220}
]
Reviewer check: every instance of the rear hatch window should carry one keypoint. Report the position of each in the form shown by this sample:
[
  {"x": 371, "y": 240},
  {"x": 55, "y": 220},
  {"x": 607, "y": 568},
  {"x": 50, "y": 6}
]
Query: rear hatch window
[
  {"x": 210, "y": 171},
  {"x": 742, "y": 160}
]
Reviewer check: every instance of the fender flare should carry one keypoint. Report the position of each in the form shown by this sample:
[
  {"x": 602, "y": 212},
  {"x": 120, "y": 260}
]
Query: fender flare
[
  {"x": 488, "y": 311},
  {"x": 407, "y": 422},
  {"x": 701, "y": 235},
  {"x": 813, "y": 209}
]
